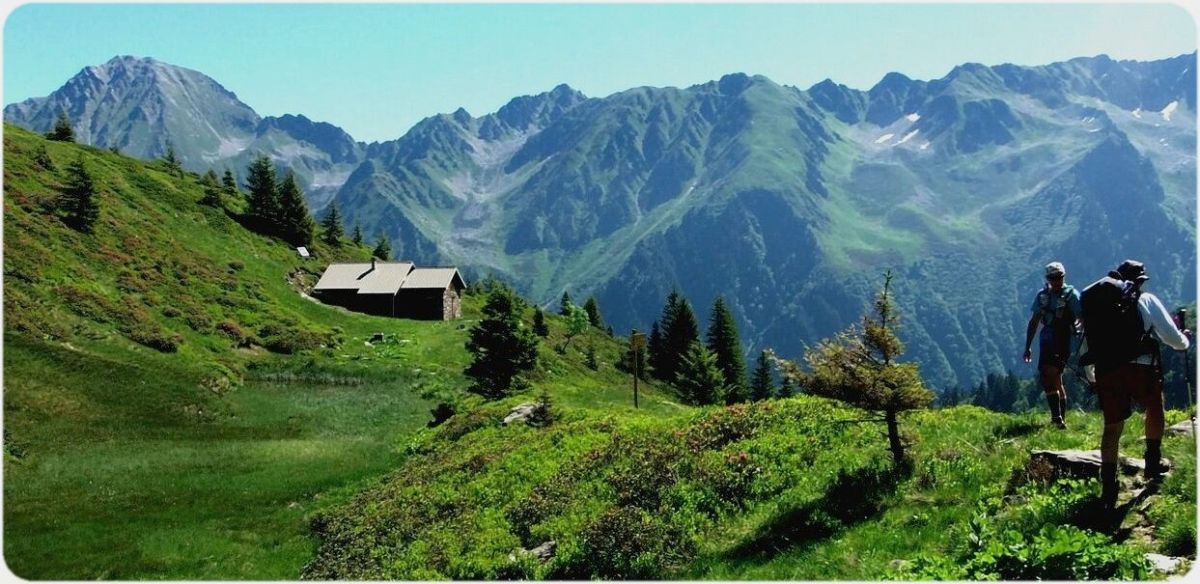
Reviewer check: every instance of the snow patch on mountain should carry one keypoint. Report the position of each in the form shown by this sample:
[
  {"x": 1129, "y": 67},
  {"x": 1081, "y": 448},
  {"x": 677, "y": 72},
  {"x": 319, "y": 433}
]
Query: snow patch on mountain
[
  {"x": 884, "y": 138},
  {"x": 907, "y": 137},
  {"x": 1170, "y": 109}
]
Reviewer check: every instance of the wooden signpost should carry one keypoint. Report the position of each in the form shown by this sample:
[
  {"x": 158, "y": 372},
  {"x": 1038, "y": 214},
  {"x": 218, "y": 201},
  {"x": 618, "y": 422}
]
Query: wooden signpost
[{"x": 637, "y": 342}]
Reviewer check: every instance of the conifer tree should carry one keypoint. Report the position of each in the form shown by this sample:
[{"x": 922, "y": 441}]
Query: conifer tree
[
  {"x": 699, "y": 378},
  {"x": 172, "y": 160},
  {"x": 564, "y": 305},
  {"x": 590, "y": 358},
  {"x": 654, "y": 348},
  {"x": 786, "y": 388},
  {"x": 229, "y": 183},
  {"x": 859, "y": 367},
  {"x": 761, "y": 384},
  {"x": 539, "y": 323},
  {"x": 502, "y": 348},
  {"x": 331, "y": 226},
  {"x": 262, "y": 197},
  {"x": 79, "y": 197},
  {"x": 680, "y": 331},
  {"x": 298, "y": 227},
  {"x": 212, "y": 189},
  {"x": 383, "y": 248},
  {"x": 62, "y": 131},
  {"x": 723, "y": 341},
  {"x": 593, "y": 312},
  {"x": 41, "y": 157},
  {"x": 357, "y": 237}
]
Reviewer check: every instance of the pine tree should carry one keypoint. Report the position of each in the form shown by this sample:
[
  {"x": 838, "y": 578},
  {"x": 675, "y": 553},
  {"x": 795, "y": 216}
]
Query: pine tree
[
  {"x": 654, "y": 348},
  {"x": 79, "y": 197},
  {"x": 62, "y": 131},
  {"x": 859, "y": 367},
  {"x": 564, "y": 305},
  {"x": 590, "y": 358},
  {"x": 172, "y": 160},
  {"x": 331, "y": 226},
  {"x": 501, "y": 348},
  {"x": 539, "y": 323},
  {"x": 41, "y": 157},
  {"x": 680, "y": 332},
  {"x": 699, "y": 379},
  {"x": 593, "y": 312},
  {"x": 212, "y": 189},
  {"x": 295, "y": 219},
  {"x": 761, "y": 384},
  {"x": 786, "y": 389},
  {"x": 229, "y": 183},
  {"x": 262, "y": 197},
  {"x": 383, "y": 248},
  {"x": 357, "y": 237},
  {"x": 724, "y": 343}
]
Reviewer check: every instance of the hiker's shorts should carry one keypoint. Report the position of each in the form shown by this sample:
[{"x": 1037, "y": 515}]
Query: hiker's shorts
[
  {"x": 1131, "y": 382},
  {"x": 1053, "y": 351}
]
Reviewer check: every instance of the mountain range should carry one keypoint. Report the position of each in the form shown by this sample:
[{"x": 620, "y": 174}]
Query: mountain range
[{"x": 789, "y": 202}]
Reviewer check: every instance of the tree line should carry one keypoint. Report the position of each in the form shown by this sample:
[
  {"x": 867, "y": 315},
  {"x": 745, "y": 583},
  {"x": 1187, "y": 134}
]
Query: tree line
[{"x": 274, "y": 206}]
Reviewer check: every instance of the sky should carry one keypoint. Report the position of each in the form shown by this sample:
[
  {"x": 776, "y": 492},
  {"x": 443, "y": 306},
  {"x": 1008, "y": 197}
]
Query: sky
[{"x": 375, "y": 70}]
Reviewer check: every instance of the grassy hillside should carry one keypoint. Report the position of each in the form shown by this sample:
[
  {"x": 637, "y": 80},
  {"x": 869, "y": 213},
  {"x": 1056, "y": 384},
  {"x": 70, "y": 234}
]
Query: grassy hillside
[
  {"x": 175, "y": 408},
  {"x": 784, "y": 489}
]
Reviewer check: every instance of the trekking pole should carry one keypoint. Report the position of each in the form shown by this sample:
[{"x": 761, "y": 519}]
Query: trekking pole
[{"x": 1181, "y": 324}]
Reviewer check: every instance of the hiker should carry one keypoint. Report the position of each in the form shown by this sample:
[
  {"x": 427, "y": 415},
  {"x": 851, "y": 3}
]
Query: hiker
[
  {"x": 1121, "y": 347},
  {"x": 1056, "y": 308}
]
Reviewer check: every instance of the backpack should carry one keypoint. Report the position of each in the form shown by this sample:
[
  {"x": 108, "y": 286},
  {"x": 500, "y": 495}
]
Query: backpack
[
  {"x": 1112, "y": 324},
  {"x": 1055, "y": 311}
]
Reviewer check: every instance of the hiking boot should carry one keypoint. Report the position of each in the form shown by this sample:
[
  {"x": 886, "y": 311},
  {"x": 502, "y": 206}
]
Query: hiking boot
[
  {"x": 1059, "y": 423},
  {"x": 1055, "y": 416},
  {"x": 1153, "y": 458},
  {"x": 1109, "y": 487}
]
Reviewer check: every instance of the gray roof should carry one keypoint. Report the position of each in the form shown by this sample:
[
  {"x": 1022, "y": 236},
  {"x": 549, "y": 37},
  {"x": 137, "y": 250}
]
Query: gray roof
[
  {"x": 386, "y": 278},
  {"x": 439, "y": 278}
]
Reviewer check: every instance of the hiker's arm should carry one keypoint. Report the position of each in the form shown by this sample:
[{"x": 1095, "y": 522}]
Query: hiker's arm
[
  {"x": 1029, "y": 332},
  {"x": 1160, "y": 321}
]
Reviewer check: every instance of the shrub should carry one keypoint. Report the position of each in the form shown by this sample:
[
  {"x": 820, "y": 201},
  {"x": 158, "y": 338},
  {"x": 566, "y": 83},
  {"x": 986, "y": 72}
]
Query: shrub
[
  {"x": 231, "y": 329},
  {"x": 154, "y": 337},
  {"x": 289, "y": 338},
  {"x": 627, "y": 543}
]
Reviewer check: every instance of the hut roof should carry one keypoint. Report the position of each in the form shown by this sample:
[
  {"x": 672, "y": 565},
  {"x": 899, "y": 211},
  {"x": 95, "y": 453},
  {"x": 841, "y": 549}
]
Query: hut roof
[
  {"x": 424, "y": 278},
  {"x": 374, "y": 278}
]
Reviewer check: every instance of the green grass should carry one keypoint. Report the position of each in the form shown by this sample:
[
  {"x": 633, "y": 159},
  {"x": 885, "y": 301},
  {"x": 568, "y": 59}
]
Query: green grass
[{"x": 126, "y": 462}]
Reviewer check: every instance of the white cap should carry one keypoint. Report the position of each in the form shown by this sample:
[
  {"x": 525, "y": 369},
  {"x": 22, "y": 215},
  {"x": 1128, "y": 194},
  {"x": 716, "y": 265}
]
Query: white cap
[{"x": 1055, "y": 269}]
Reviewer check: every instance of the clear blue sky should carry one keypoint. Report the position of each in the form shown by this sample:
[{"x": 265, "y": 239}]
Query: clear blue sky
[{"x": 377, "y": 69}]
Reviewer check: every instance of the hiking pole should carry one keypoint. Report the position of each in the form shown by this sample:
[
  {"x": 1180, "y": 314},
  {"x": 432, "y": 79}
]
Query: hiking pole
[{"x": 1180, "y": 323}]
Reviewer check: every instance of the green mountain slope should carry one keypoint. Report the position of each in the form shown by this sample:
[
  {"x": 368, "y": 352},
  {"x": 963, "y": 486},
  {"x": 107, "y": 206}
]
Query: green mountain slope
[
  {"x": 175, "y": 408},
  {"x": 779, "y": 490}
]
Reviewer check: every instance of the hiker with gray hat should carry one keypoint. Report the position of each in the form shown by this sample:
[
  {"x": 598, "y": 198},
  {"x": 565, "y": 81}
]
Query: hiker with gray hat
[
  {"x": 1123, "y": 327},
  {"x": 1056, "y": 309}
]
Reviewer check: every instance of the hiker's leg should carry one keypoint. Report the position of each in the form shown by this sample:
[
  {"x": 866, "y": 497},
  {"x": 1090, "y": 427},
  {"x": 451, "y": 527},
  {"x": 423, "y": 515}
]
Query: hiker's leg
[
  {"x": 1113, "y": 391},
  {"x": 1151, "y": 398},
  {"x": 1051, "y": 379}
]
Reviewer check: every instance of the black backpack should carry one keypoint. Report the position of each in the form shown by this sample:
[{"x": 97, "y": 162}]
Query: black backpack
[{"x": 1112, "y": 324}]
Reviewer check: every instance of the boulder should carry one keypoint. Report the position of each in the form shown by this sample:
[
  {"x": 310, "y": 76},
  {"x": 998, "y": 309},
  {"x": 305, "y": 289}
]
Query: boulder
[
  {"x": 542, "y": 552},
  {"x": 1164, "y": 564},
  {"x": 1183, "y": 428},
  {"x": 520, "y": 413},
  {"x": 1085, "y": 464}
]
